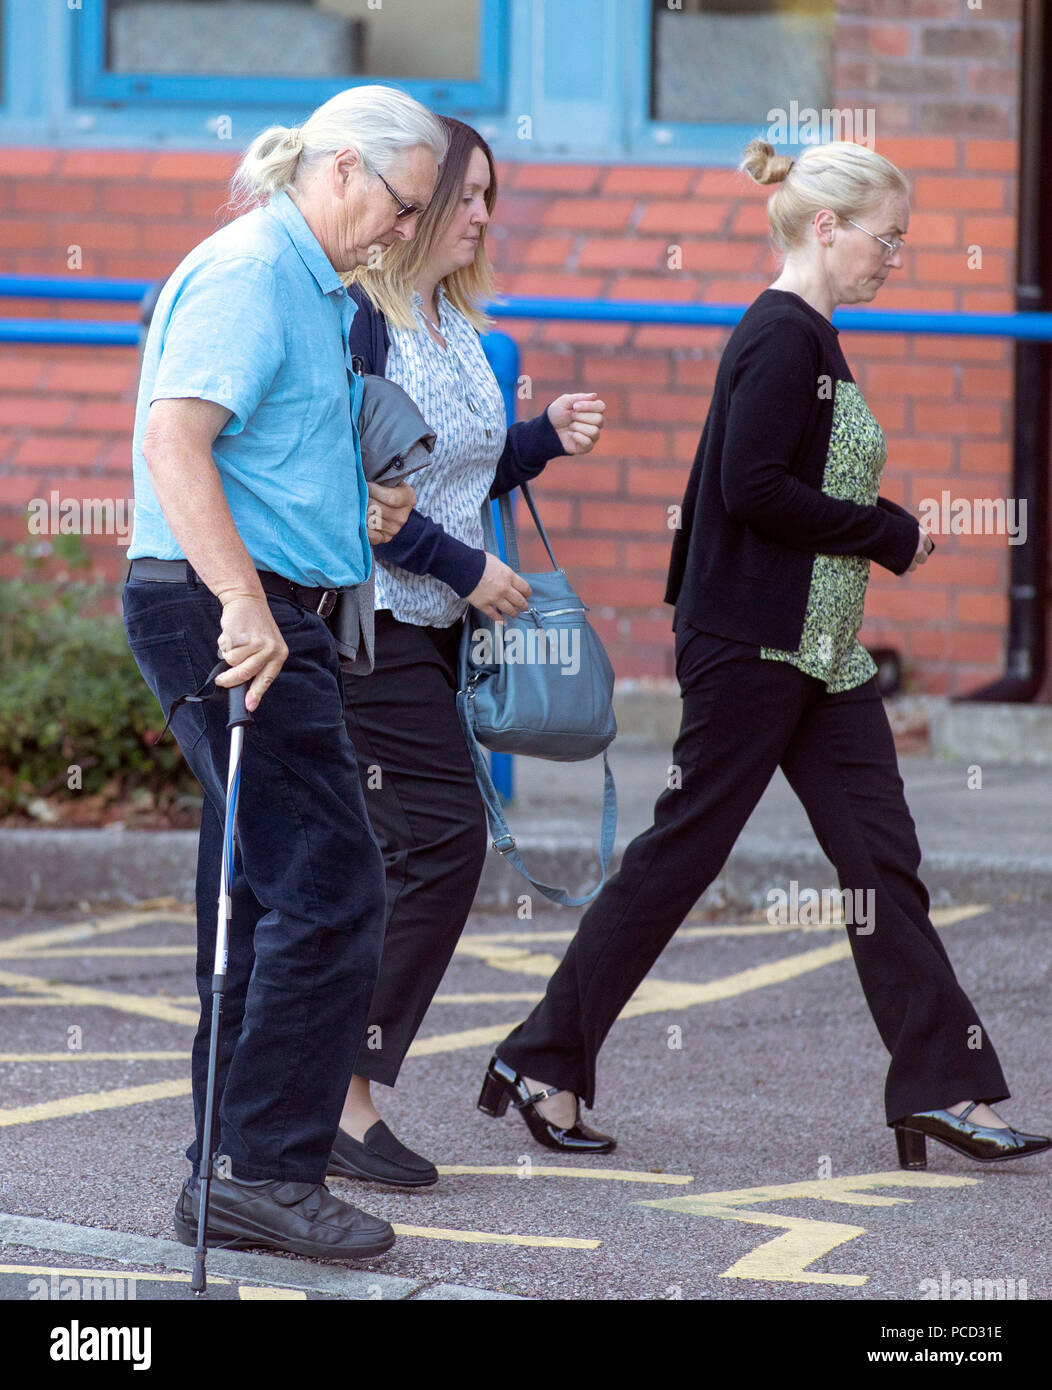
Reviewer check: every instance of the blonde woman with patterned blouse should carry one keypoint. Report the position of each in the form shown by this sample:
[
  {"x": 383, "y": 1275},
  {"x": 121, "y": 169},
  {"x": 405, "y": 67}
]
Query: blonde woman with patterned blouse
[{"x": 418, "y": 321}]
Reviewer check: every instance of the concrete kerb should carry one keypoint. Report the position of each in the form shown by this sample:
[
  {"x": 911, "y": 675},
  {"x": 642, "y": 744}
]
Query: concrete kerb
[
  {"x": 78, "y": 870},
  {"x": 273, "y": 1271}
]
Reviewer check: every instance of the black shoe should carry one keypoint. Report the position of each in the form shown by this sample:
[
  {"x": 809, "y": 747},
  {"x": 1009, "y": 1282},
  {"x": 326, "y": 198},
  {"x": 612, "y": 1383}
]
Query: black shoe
[
  {"x": 503, "y": 1085},
  {"x": 379, "y": 1157},
  {"x": 303, "y": 1217},
  {"x": 984, "y": 1143}
]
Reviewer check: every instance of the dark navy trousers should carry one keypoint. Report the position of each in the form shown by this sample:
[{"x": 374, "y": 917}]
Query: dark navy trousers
[
  {"x": 744, "y": 716},
  {"x": 309, "y": 902}
]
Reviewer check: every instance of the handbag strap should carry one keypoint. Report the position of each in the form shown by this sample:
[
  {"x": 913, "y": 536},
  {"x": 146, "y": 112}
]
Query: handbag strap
[
  {"x": 504, "y": 841},
  {"x": 511, "y": 535}
]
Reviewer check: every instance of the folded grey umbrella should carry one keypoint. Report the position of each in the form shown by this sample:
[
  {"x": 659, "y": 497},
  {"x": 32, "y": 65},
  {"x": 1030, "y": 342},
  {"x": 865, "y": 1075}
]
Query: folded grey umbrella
[{"x": 396, "y": 439}]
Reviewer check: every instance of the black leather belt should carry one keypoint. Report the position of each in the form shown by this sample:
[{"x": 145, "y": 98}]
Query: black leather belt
[{"x": 320, "y": 601}]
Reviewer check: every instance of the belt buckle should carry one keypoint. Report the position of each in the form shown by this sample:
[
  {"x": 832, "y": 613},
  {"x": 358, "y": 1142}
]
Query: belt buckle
[{"x": 327, "y": 602}]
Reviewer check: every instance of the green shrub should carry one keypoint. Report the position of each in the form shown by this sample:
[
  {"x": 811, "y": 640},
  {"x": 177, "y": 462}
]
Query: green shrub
[{"x": 71, "y": 693}]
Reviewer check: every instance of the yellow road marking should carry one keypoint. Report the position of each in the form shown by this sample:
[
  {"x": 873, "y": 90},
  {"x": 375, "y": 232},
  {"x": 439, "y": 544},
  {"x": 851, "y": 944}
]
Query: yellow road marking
[
  {"x": 653, "y": 996},
  {"x": 106, "y": 1274},
  {"x": 785, "y": 1259},
  {"x": 524, "y": 998},
  {"x": 494, "y": 1238},
  {"x": 940, "y": 917},
  {"x": 94, "y": 1056},
  {"x": 87, "y": 996},
  {"x": 76, "y": 931},
  {"x": 61, "y": 952},
  {"x": 453, "y": 1042},
  {"x": 249, "y": 1294},
  {"x": 514, "y": 958},
  {"x": 539, "y": 1170},
  {"x": 94, "y": 1100}
]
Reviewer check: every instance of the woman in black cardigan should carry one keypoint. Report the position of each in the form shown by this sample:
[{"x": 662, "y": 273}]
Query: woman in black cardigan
[{"x": 780, "y": 521}]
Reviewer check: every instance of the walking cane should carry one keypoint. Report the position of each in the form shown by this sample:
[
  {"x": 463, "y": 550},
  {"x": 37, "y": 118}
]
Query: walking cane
[{"x": 238, "y": 718}]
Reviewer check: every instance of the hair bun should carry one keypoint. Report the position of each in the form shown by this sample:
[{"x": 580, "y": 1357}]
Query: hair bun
[{"x": 763, "y": 165}]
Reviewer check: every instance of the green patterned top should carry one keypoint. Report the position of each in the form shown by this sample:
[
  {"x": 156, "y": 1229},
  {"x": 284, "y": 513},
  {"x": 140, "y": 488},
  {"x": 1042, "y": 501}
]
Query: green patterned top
[{"x": 829, "y": 647}]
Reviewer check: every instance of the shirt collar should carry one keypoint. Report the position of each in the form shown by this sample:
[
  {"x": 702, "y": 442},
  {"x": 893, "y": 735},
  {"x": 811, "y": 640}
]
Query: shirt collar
[
  {"x": 440, "y": 294},
  {"x": 306, "y": 243}
]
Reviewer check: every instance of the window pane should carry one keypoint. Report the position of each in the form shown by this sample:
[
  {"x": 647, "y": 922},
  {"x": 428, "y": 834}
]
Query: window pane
[
  {"x": 435, "y": 39},
  {"x": 732, "y": 61}
]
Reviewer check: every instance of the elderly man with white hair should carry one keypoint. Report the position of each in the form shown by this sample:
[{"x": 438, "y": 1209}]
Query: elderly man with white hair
[{"x": 251, "y": 516}]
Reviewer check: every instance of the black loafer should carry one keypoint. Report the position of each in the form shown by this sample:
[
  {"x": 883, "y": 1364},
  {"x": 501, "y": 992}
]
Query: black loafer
[
  {"x": 302, "y": 1217},
  {"x": 380, "y": 1157}
]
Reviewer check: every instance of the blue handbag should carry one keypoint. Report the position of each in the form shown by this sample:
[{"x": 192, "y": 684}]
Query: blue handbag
[{"x": 538, "y": 684}]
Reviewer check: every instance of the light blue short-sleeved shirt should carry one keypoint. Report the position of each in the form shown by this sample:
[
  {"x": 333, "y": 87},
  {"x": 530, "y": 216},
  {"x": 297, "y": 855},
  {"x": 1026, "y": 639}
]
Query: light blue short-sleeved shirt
[{"x": 255, "y": 318}]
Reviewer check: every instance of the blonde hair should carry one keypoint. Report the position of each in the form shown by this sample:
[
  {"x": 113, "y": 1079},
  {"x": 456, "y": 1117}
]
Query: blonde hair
[
  {"x": 379, "y": 122},
  {"x": 390, "y": 285},
  {"x": 842, "y": 176}
]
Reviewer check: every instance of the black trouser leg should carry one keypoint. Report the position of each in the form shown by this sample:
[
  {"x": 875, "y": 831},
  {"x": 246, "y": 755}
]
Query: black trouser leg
[
  {"x": 842, "y": 765},
  {"x": 302, "y": 974},
  {"x": 738, "y": 717},
  {"x": 427, "y": 813}
]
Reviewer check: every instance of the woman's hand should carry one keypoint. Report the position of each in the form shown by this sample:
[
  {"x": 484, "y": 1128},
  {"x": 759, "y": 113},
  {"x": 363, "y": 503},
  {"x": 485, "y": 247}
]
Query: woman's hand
[
  {"x": 387, "y": 511},
  {"x": 925, "y": 546},
  {"x": 500, "y": 593},
  {"x": 577, "y": 419}
]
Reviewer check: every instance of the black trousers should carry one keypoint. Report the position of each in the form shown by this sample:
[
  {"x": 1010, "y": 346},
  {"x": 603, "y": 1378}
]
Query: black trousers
[
  {"x": 307, "y": 888},
  {"x": 743, "y": 716},
  {"x": 427, "y": 814}
]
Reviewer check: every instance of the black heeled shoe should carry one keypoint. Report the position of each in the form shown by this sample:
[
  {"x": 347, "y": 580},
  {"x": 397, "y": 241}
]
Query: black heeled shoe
[
  {"x": 984, "y": 1143},
  {"x": 504, "y": 1086}
]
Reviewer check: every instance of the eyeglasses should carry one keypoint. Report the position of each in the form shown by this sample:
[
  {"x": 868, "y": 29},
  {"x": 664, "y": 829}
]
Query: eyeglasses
[
  {"x": 404, "y": 209},
  {"x": 894, "y": 247}
]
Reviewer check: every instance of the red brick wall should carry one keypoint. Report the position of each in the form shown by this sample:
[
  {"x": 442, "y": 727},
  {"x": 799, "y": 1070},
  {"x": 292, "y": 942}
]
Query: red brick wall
[{"x": 942, "y": 81}]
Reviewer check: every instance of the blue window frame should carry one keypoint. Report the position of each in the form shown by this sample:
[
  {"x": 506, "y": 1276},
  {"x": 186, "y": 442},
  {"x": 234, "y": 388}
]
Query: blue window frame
[
  {"x": 93, "y": 83},
  {"x": 704, "y": 142}
]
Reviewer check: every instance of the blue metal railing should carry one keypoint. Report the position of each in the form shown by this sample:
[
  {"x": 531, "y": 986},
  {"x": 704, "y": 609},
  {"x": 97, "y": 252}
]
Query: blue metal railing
[
  {"x": 1033, "y": 327},
  {"x": 501, "y": 349}
]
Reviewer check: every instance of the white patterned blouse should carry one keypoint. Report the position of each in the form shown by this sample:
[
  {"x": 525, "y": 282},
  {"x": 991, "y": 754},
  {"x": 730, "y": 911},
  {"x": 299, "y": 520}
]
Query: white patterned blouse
[{"x": 458, "y": 396}]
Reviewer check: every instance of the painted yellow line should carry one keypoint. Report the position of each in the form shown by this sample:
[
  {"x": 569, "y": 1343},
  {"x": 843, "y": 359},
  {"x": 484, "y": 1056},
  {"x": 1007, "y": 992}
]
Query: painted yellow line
[
  {"x": 652, "y": 997},
  {"x": 249, "y": 1294},
  {"x": 494, "y": 1238},
  {"x": 94, "y": 1100},
  {"x": 940, "y": 917},
  {"x": 106, "y": 1274},
  {"x": 87, "y": 996},
  {"x": 454, "y": 1042},
  {"x": 514, "y": 958},
  {"x": 786, "y": 1258},
  {"x": 76, "y": 931},
  {"x": 42, "y": 999},
  {"x": 94, "y": 1056},
  {"x": 77, "y": 952},
  {"x": 539, "y": 1170},
  {"x": 524, "y": 998}
]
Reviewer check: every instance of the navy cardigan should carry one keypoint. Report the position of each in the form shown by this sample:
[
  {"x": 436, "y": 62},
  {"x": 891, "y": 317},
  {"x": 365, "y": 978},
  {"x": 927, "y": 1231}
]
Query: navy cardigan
[
  {"x": 754, "y": 514},
  {"x": 423, "y": 546}
]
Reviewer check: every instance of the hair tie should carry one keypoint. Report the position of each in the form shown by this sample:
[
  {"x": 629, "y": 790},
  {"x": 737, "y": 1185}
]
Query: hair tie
[{"x": 293, "y": 136}]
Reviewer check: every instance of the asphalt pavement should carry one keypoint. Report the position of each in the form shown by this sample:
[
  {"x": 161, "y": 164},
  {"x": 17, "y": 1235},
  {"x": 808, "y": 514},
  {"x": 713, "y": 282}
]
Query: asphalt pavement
[{"x": 743, "y": 1084}]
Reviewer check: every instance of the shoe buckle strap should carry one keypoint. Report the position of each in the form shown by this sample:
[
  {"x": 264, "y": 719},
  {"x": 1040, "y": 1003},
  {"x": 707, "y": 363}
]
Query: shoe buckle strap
[{"x": 540, "y": 1095}]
